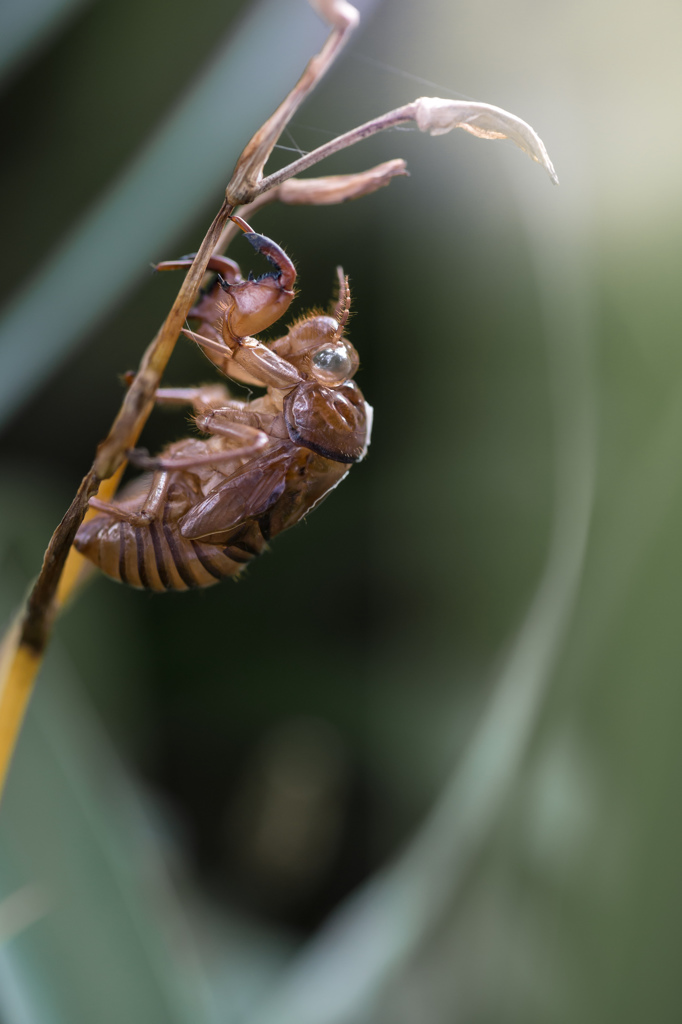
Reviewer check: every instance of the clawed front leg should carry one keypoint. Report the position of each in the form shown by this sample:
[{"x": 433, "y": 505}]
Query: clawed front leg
[
  {"x": 260, "y": 362},
  {"x": 251, "y": 306},
  {"x": 244, "y": 307},
  {"x": 235, "y": 309}
]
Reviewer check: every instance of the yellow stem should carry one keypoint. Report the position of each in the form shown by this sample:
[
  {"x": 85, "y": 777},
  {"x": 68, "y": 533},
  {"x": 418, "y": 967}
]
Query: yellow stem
[
  {"x": 18, "y": 668},
  {"x": 77, "y": 568}
]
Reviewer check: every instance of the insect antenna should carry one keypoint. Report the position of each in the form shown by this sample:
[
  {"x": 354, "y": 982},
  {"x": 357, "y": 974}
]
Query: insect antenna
[{"x": 342, "y": 308}]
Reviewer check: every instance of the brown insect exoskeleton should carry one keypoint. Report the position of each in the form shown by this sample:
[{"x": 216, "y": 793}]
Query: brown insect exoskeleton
[{"x": 209, "y": 506}]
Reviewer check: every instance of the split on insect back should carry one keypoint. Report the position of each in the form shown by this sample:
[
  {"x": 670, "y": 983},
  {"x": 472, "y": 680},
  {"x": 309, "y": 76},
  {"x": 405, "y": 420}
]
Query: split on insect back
[{"x": 206, "y": 506}]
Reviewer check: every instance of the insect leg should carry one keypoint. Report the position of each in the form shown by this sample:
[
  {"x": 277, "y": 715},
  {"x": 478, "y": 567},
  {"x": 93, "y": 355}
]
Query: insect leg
[
  {"x": 176, "y": 396},
  {"x": 248, "y": 307},
  {"x": 257, "y": 439},
  {"x": 222, "y": 265},
  {"x": 211, "y": 396},
  {"x": 272, "y": 252},
  {"x": 149, "y": 510},
  {"x": 264, "y": 365}
]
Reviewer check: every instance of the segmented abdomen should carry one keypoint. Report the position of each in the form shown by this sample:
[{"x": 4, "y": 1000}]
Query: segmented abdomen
[{"x": 156, "y": 556}]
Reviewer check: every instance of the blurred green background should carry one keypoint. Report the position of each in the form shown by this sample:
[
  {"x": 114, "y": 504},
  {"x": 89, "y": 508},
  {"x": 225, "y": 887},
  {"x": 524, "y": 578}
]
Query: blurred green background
[{"x": 422, "y": 762}]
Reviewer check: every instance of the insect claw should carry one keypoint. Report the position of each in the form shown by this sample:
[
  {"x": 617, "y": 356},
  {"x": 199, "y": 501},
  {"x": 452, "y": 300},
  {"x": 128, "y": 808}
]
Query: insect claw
[{"x": 241, "y": 223}]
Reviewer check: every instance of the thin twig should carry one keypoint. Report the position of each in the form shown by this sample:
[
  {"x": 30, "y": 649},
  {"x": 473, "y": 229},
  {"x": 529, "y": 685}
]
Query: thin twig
[
  {"x": 244, "y": 186},
  {"x": 364, "y": 131},
  {"x": 436, "y": 116}
]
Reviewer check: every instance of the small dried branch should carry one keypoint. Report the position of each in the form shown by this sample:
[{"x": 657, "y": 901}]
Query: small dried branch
[
  {"x": 339, "y": 188},
  {"x": 435, "y": 116},
  {"x": 247, "y": 179},
  {"x": 335, "y": 188}
]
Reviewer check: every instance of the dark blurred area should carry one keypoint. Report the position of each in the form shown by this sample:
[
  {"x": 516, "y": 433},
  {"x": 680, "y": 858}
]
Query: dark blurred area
[{"x": 420, "y": 762}]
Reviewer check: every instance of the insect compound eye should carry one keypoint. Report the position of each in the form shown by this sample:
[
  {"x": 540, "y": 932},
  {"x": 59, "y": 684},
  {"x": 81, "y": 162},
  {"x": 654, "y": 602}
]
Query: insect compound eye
[{"x": 332, "y": 363}]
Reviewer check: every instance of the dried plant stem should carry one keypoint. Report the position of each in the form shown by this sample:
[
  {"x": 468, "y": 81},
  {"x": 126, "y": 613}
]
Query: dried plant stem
[
  {"x": 246, "y": 181},
  {"x": 379, "y": 124},
  {"x": 24, "y": 646},
  {"x": 19, "y": 665},
  {"x": 77, "y": 568},
  {"x": 430, "y": 114}
]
